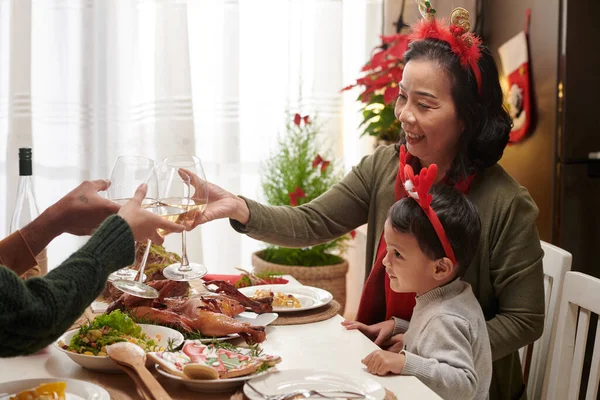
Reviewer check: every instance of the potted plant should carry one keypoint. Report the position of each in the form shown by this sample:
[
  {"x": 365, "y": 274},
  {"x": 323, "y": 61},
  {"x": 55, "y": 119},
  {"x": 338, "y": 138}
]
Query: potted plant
[
  {"x": 379, "y": 85},
  {"x": 294, "y": 174}
]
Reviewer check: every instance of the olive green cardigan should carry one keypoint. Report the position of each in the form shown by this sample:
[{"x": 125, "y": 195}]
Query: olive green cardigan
[{"x": 506, "y": 273}]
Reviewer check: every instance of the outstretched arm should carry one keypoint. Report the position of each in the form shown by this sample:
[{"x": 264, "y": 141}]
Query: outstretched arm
[
  {"x": 36, "y": 311},
  {"x": 79, "y": 212}
]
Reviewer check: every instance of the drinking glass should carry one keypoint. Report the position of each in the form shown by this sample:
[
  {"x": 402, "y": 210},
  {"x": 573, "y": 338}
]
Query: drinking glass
[
  {"x": 178, "y": 189},
  {"x": 127, "y": 174},
  {"x": 138, "y": 288}
]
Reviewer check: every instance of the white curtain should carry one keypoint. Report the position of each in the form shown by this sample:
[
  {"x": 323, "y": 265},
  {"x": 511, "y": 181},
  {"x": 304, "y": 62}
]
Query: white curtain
[{"x": 84, "y": 81}]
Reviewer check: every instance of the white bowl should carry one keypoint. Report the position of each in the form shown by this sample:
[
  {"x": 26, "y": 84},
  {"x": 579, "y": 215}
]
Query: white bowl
[{"x": 104, "y": 363}]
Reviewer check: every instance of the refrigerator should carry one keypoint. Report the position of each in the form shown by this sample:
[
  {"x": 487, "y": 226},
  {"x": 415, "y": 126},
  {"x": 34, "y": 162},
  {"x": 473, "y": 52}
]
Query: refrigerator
[
  {"x": 559, "y": 163},
  {"x": 577, "y": 192}
]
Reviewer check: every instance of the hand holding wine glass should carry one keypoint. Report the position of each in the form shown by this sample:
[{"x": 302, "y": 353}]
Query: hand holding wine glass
[
  {"x": 176, "y": 190},
  {"x": 82, "y": 210},
  {"x": 220, "y": 203},
  {"x": 143, "y": 223}
]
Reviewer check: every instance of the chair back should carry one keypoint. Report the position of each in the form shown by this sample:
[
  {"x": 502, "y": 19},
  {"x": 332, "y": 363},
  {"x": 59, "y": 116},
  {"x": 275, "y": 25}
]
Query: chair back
[
  {"x": 534, "y": 357},
  {"x": 580, "y": 298}
]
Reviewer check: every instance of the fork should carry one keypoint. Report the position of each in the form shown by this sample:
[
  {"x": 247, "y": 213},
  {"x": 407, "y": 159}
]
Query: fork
[
  {"x": 269, "y": 396},
  {"x": 305, "y": 393}
]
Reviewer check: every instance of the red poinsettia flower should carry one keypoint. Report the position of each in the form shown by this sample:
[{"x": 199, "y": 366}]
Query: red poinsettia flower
[
  {"x": 295, "y": 195},
  {"x": 324, "y": 165},
  {"x": 390, "y": 94}
]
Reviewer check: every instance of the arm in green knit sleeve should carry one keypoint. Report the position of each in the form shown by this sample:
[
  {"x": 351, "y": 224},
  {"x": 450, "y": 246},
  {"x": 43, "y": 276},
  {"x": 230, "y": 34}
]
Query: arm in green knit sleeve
[
  {"x": 518, "y": 278},
  {"x": 35, "y": 312},
  {"x": 336, "y": 212}
]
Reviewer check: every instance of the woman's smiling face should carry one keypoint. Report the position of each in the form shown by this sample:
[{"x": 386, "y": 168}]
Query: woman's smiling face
[{"x": 426, "y": 109}]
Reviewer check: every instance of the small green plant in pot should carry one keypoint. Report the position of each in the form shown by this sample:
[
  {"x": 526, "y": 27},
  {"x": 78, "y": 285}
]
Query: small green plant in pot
[{"x": 297, "y": 172}]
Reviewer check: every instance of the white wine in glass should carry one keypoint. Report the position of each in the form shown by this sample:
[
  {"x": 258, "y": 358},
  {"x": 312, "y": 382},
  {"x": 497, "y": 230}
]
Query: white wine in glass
[
  {"x": 138, "y": 288},
  {"x": 179, "y": 189}
]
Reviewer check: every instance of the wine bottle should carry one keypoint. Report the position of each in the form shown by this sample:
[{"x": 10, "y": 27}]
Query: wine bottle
[{"x": 26, "y": 208}]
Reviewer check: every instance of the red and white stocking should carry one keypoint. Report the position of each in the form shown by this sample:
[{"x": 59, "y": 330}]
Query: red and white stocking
[{"x": 515, "y": 64}]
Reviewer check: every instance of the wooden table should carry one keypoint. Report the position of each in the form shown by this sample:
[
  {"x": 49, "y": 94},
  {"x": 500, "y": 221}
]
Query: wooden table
[{"x": 320, "y": 345}]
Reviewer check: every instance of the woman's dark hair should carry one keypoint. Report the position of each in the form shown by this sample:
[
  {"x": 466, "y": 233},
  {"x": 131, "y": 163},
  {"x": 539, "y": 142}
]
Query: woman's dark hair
[
  {"x": 457, "y": 215},
  {"x": 487, "y": 123}
]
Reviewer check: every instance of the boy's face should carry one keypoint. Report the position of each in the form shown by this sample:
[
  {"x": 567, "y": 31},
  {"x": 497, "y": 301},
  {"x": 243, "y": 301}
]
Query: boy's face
[{"x": 410, "y": 270}]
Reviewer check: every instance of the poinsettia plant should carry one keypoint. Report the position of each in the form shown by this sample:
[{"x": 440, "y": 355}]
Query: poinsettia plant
[
  {"x": 297, "y": 172},
  {"x": 379, "y": 85}
]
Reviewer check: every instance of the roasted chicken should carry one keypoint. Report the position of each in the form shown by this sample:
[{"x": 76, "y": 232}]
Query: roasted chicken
[{"x": 210, "y": 314}]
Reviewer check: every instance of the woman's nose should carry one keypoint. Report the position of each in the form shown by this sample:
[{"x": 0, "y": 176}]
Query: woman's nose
[{"x": 406, "y": 116}]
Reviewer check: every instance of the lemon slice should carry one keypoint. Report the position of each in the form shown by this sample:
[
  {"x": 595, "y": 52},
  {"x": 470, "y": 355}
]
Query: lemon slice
[{"x": 46, "y": 391}]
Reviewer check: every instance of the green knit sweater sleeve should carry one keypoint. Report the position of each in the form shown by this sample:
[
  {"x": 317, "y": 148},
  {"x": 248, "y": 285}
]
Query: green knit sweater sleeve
[
  {"x": 339, "y": 210},
  {"x": 35, "y": 312},
  {"x": 517, "y": 276}
]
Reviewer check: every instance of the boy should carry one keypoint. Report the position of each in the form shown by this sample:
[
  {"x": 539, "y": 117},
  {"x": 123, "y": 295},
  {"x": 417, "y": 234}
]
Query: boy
[{"x": 446, "y": 344}]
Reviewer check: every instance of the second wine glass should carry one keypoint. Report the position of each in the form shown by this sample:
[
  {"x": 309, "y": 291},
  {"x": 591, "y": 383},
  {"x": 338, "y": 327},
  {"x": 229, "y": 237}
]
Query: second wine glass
[
  {"x": 177, "y": 188},
  {"x": 127, "y": 174}
]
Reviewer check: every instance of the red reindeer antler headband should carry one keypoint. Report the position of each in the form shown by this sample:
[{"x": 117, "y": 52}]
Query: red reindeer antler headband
[
  {"x": 417, "y": 187},
  {"x": 464, "y": 44}
]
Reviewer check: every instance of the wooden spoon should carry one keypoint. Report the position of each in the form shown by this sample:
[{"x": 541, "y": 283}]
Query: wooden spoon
[
  {"x": 141, "y": 387},
  {"x": 132, "y": 356}
]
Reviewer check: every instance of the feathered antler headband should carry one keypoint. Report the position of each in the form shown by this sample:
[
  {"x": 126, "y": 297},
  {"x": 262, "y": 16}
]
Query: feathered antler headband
[
  {"x": 417, "y": 187},
  {"x": 464, "y": 44}
]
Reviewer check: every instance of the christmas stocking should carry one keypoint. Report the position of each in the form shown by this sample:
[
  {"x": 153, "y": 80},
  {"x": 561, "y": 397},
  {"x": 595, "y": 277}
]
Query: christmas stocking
[{"x": 515, "y": 64}]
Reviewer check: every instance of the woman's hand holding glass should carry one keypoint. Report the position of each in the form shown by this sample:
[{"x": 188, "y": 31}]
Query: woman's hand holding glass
[
  {"x": 221, "y": 203},
  {"x": 143, "y": 223},
  {"x": 177, "y": 193}
]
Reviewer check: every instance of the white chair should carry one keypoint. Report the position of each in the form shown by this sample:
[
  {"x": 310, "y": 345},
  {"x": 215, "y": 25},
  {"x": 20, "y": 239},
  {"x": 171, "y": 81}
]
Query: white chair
[
  {"x": 580, "y": 297},
  {"x": 534, "y": 357}
]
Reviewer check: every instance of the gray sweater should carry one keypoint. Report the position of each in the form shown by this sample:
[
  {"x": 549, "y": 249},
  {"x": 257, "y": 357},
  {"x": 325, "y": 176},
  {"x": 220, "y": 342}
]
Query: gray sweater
[{"x": 447, "y": 345}]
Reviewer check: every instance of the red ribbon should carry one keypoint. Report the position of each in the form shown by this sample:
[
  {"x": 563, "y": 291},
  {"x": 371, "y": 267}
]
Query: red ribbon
[
  {"x": 320, "y": 161},
  {"x": 298, "y": 119},
  {"x": 295, "y": 195}
]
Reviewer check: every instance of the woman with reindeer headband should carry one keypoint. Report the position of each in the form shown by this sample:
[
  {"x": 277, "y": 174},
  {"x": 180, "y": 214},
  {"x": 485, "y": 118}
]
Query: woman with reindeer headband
[{"x": 451, "y": 109}]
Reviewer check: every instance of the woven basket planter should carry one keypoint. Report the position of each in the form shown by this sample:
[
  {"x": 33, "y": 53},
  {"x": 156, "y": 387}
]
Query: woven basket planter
[{"x": 329, "y": 277}]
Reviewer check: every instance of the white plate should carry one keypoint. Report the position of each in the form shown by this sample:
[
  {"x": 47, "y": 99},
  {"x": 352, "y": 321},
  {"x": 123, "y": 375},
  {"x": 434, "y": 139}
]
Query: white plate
[
  {"x": 211, "y": 386},
  {"x": 76, "y": 390},
  {"x": 308, "y": 296},
  {"x": 104, "y": 363},
  {"x": 252, "y": 318},
  {"x": 280, "y": 382}
]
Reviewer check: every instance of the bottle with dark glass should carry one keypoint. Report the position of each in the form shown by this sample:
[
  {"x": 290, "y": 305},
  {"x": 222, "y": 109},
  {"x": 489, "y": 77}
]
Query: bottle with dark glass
[{"x": 26, "y": 208}]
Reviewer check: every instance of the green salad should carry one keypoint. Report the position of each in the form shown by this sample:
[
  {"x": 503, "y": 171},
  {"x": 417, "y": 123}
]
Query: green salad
[{"x": 107, "y": 329}]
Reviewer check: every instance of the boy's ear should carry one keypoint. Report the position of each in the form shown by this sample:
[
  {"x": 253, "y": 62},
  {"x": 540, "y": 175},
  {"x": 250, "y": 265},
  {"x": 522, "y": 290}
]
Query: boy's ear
[{"x": 444, "y": 268}]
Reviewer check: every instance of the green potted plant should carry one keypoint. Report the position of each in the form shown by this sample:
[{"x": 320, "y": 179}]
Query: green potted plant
[
  {"x": 379, "y": 85},
  {"x": 294, "y": 174}
]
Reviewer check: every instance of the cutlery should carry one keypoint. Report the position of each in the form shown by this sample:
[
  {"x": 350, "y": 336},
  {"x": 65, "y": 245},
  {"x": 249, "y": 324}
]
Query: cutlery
[
  {"x": 306, "y": 393},
  {"x": 143, "y": 391},
  {"x": 132, "y": 356}
]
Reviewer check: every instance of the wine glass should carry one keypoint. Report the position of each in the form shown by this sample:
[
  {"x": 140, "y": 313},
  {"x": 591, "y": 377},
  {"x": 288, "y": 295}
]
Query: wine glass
[
  {"x": 127, "y": 174},
  {"x": 177, "y": 190}
]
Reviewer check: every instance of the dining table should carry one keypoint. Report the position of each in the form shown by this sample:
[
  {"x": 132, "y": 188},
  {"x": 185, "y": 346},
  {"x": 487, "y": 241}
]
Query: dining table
[{"x": 324, "y": 345}]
